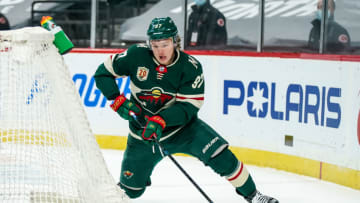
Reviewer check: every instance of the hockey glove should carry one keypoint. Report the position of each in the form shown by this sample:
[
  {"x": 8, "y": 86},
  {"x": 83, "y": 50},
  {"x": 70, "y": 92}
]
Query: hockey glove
[
  {"x": 123, "y": 107},
  {"x": 153, "y": 128}
]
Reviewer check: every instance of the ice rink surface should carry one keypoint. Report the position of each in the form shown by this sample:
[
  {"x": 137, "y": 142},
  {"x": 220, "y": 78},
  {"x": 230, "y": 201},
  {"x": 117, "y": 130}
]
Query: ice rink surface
[{"x": 169, "y": 185}]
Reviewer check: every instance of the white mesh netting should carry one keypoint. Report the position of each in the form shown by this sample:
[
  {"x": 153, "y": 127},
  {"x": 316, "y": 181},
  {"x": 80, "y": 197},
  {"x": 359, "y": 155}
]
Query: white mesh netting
[{"x": 47, "y": 150}]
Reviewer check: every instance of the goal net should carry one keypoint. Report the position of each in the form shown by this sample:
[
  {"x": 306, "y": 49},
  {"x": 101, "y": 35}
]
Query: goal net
[{"x": 47, "y": 150}]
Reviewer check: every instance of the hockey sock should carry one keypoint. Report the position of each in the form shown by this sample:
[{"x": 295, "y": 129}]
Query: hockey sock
[
  {"x": 226, "y": 164},
  {"x": 241, "y": 180},
  {"x": 248, "y": 188}
]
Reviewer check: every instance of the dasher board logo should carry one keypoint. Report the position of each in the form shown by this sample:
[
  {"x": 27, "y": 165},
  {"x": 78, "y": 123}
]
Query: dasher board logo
[{"x": 142, "y": 73}]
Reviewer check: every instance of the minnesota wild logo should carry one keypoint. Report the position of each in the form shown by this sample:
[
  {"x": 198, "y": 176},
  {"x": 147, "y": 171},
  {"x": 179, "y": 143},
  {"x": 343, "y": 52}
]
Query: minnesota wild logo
[
  {"x": 128, "y": 174},
  {"x": 154, "y": 98}
]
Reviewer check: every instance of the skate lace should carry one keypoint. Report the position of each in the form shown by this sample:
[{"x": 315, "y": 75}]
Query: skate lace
[{"x": 260, "y": 198}]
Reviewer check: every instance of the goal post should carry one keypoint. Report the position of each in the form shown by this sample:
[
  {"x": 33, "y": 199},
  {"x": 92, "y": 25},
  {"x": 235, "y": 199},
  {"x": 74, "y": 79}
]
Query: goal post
[{"x": 48, "y": 152}]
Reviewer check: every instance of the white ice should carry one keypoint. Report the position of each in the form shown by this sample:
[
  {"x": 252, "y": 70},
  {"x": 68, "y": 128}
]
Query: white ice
[{"x": 169, "y": 185}]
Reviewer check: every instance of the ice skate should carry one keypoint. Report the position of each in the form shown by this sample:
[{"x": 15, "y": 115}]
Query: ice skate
[{"x": 257, "y": 197}]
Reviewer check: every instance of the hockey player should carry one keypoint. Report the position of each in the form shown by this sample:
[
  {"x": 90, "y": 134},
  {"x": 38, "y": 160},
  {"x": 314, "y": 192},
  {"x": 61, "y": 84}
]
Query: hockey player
[{"x": 167, "y": 91}]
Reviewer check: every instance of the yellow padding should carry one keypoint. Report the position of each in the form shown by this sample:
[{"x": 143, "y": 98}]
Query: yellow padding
[
  {"x": 329, "y": 172},
  {"x": 33, "y": 137},
  {"x": 111, "y": 142},
  {"x": 340, "y": 175},
  {"x": 317, "y": 169},
  {"x": 280, "y": 161}
]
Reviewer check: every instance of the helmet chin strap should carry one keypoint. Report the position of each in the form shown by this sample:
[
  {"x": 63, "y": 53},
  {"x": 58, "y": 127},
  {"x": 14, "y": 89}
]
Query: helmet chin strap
[{"x": 174, "y": 38}]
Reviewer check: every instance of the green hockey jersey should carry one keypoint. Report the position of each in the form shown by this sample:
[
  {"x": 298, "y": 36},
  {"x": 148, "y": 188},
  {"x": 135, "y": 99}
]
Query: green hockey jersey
[{"x": 175, "y": 92}]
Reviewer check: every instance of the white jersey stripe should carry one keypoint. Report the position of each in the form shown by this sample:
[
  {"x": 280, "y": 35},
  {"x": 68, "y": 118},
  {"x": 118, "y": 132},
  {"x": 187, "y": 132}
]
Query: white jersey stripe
[
  {"x": 109, "y": 67},
  {"x": 196, "y": 100},
  {"x": 191, "y": 95}
]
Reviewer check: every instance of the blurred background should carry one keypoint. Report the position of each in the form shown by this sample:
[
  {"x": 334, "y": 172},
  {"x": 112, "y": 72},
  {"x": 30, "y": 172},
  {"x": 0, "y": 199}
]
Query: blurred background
[{"x": 252, "y": 25}]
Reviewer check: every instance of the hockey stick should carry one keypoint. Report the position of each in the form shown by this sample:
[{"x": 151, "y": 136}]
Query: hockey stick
[{"x": 164, "y": 152}]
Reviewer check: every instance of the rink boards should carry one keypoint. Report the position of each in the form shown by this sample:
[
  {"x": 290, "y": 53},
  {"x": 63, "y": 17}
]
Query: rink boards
[{"x": 293, "y": 112}]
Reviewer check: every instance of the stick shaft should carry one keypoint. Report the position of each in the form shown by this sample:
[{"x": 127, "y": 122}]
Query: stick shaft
[{"x": 183, "y": 171}]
